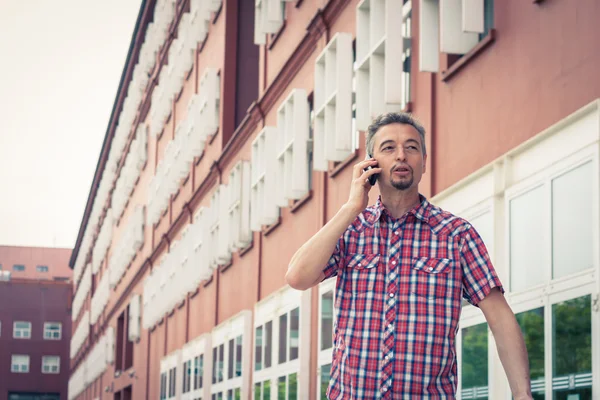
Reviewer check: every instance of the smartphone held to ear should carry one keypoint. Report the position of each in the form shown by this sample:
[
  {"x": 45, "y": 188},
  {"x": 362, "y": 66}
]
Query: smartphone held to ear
[{"x": 372, "y": 178}]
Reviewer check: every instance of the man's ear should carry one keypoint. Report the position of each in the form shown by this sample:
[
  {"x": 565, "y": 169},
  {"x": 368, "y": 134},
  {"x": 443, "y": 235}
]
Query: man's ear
[{"x": 425, "y": 163}]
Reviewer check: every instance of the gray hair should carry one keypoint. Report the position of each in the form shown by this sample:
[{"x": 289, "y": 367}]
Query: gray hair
[{"x": 393, "y": 118}]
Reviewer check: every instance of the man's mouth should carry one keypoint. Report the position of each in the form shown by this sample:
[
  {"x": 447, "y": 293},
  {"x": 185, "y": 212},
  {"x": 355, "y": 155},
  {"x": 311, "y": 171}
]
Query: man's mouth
[{"x": 401, "y": 170}]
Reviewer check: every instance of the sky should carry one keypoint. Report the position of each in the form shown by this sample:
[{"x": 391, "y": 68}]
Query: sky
[{"x": 60, "y": 66}]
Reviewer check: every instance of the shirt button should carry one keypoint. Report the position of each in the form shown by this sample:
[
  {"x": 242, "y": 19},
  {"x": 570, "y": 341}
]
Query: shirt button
[
  {"x": 384, "y": 389},
  {"x": 397, "y": 232},
  {"x": 429, "y": 269},
  {"x": 391, "y": 294},
  {"x": 392, "y": 275},
  {"x": 394, "y": 262},
  {"x": 390, "y": 327}
]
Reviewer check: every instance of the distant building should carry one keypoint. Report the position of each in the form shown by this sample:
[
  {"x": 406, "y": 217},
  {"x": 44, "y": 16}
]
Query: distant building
[
  {"x": 232, "y": 140},
  {"x": 35, "y": 323}
]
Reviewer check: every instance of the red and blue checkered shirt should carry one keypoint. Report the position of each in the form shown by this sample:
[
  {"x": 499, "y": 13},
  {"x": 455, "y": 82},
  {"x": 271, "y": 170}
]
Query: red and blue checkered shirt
[{"x": 398, "y": 302}]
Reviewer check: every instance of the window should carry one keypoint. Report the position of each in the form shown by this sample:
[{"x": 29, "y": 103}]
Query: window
[
  {"x": 168, "y": 376},
  {"x": 18, "y": 268},
  {"x": 333, "y": 102},
  {"x": 240, "y": 234},
  {"x": 292, "y": 156},
  {"x": 100, "y": 298},
  {"x": 193, "y": 368},
  {"x": 219, "y": 233},
  {"x": 42, "y": 268},
  {"x": 19, "y": 364},
  {"x": 52, "y": 331},
  {"x": 102, "y": 242},
  {"x": 269, "y": 16},
  {"x": 532, "y": 327},
  {"x": 475, "y": 362},
  {"x": 50, "y": 364},
  {"x": 264, "y": 209},
  {"x": 81, "y": 334},
  {"x": 21, "y": 330},
  {"x": 209, "y": 90},
  {"x": 379, "y": 53},
  {"x": 231, "y": 357},
  {"x": 278, "y": 340},
  {"x": 133, "y": 331}
]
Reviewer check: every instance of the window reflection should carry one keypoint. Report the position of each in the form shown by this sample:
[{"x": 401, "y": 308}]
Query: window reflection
[
  {"x": 532, "y": 326},
  {"x": 475, "y": 362}
]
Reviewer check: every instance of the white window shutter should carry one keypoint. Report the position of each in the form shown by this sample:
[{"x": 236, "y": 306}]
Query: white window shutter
[
  {"x": 473, "y": 16},
  {"x": 429, "y": 57},
  {"x": 394, "y": 49},
  {"x": 209, "y": 91},
  {"x": 343, "y": 103},
  {"x": 275, "y": 11},
  {"x": 264, "y": 210},
  {"x": 224, "y": 251},
  {"x": 245, "y": 234},
  {"x": 134, "y": 318},
  {"x": 110, "y": 345},
  {"x": 452, "y": 38}
]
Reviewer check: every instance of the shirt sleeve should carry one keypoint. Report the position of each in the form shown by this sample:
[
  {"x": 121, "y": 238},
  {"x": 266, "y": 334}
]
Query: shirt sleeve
[
  {"x": 479, "y": 275},
  {"x": 335, "y": 261}
]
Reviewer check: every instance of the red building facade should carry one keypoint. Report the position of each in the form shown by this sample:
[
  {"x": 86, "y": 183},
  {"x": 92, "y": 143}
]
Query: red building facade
[
  {"x": 35, "y": 323},
  {"x": 232, "y": 141}
]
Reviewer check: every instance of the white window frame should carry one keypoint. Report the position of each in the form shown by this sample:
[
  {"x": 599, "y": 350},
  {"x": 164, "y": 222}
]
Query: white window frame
[
  {"x": 220, "y": 253},
  {"x": 19, "y": 361},
  {"x": 81, "y": 334},
  {"x": 379, "y": 57},
  {"x": 293, "y": 128},
  {"x": 82, "y": 292},
  {"x": 201, "y": 249},
  {"x": 48, "y": 332},
  {"x": 167, "y": 364},
  {"x": 561, "y": 148},
  {"x": 240, "y": 234},
  {"x": 50, "y": 365},
  {"x": 324, "y": 356},
  {"x": 269, "y": 16},
  {"x": 100, "y": 298},
  {"x": 240, "y": 324},
  {"x": 130, "y": 242},
  {"x": 332, "y": 136},
  {"x": 200, "y": 346},
  {"x": 21, "y": 333},
  {"x": 263, "y": 206},
  {"x": 103, "y": 241},
  {"x": 271, "y": 309},
  {"x": 134, "y": 322}
]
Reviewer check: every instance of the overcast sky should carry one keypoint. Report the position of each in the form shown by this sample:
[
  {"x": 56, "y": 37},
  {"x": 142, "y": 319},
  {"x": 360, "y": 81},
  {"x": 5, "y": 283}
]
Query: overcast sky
[{"x": 61, "y": 61}]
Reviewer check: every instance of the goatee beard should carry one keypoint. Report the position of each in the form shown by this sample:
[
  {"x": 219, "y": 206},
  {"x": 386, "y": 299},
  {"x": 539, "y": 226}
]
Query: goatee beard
[{"x": 402, "y": 185}]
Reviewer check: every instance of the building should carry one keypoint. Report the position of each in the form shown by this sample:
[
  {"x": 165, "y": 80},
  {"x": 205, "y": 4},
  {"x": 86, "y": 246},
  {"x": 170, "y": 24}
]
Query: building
[
  {"x": 35, "y": 322},
  {"x": 232, "y": 140}
]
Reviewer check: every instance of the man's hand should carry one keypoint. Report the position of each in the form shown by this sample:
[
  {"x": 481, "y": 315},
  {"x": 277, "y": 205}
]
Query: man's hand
[{"x": 359, "y": 189}]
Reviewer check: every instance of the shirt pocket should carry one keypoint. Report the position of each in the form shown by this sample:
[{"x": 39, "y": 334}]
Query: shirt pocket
[
  {"x": 361, "y": 276},
  {"x": 362, "y": 261},
  {"x": 432, "y": 277}
]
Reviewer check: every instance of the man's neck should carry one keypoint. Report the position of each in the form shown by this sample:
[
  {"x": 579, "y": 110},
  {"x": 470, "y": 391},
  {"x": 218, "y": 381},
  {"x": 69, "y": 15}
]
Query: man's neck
[{"x": 399, "y": 202}]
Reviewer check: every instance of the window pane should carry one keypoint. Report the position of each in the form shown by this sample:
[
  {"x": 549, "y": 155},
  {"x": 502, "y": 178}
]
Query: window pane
[
  {"x": 257, "y": 387},
  {"x": 221, "y": 363},
  {"x": 258, "y": 349},
  {"x": 327, "y": 320},
  {"x": 532, "y": 326},
  {"x": 475, "y": 362},
  {"x": 282, "y": 338},
  {"x": 238, "y": 356},
  {"x": 294, "y": 333},
  {"x": 293, "y": 387},
  {"x": 572, "y": 247},
  {"x": 267, "y": 390},
  {"x": 526, "y": 240},
  {"x": 237, "y": 394},
  {"x": 230, "y": 394},
  {"x": 268, "y": 343},
  {"x": 572, "y": 349},
  {"x": 325, "y": 374},
  {"x": 215, "y": 362},
  {"x": 281, "y": 393},
  {"x": 230, "y": 359},
  {"x": 484, "y": 225}
]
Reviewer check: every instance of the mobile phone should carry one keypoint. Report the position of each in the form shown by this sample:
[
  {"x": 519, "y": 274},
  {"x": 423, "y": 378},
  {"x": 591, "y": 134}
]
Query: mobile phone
[{"x": 372, "y": 178}]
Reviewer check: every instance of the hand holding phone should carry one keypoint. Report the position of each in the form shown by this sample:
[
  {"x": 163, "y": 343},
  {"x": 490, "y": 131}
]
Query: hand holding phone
[{"x": 372, "y": 178}]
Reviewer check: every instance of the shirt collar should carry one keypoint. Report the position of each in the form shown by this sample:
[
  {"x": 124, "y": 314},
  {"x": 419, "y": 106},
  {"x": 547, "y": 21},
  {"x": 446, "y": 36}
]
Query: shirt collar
[{"x": 421, "y": 211}]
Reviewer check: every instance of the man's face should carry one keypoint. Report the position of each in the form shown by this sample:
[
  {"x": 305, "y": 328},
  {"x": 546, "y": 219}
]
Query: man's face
[{"x": 399, "y": 153}]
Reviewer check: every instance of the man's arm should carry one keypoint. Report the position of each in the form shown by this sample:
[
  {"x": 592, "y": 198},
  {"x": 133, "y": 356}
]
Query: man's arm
[
  {"x": 509, "y": 343},
  {"x": 306, "y": 266}
]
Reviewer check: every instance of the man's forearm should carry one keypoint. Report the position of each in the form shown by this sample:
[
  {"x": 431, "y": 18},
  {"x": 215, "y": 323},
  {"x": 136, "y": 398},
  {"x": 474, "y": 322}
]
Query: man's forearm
[
  {"x": 513, "y": 355},
  {"x": 306, "y": 266}
]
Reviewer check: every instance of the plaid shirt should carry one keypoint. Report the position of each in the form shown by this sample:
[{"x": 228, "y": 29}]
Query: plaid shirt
[{"x": 398, "y": 302}]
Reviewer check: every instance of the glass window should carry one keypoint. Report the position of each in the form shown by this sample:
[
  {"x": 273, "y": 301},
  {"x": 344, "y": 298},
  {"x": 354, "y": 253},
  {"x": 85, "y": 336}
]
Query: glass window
[
  {"x": 22, "y": 330},
  {"x": 221, "y": 363},
  {"x": 42, "y": 268},
  {"x": 230, "y": 363},
  {"x": 52, "y": 330},
  {"x": 172, "y": 382},
  {"x": 475, "y": 362},
  {"x": 163, "y": 386},
  {"x": 268, "y": 344},
  {"x": 198, "y": 371},
  {"x": 19, "y": 364},
  {"x": 238, "y": 356},
  {"x": 294, "y": 333},
  {"x": 572, "y": 246},
  {"x": 258, "y": 348},
  {"x": 327, "y": 320},
  {"x": 287, "y": 387},
  {"x": 262, "y": 390},
  {"x": 325, "y": 375},
  {"x": 527, "y": 240},
  {"x": 283, "y": 338},
  {"x": 18, "y": 267},
  {"x": 532, "y": 326},
  {"x": 50, "y": 364},
  {"x": 572, "y": 349},
  {"x": 187, "y": 376}
]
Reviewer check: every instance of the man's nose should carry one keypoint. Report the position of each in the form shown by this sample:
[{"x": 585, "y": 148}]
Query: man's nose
[{"x": 400, "y": 154}]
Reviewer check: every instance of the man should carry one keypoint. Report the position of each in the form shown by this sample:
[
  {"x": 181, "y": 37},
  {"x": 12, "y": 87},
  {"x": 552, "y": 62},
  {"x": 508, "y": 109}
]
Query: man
[{"x": 402, "y": 267}]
